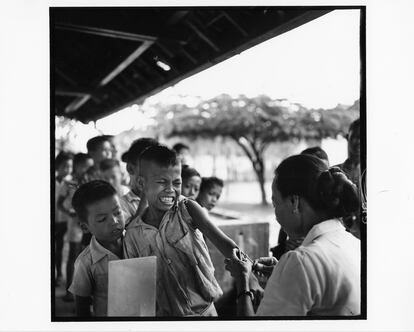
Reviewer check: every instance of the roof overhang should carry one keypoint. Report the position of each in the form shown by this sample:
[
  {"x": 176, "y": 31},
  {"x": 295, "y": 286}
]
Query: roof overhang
[{"x": 106, "y": 58}]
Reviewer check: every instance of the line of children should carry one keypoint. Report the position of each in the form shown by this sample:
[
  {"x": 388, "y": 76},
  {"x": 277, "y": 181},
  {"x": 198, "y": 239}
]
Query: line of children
[
  {"x": 63, "y": 167},
  {"x": 168, "y": 227},
  {"x": 81, "y": 163},
  {"x": 170, "y": 230}
]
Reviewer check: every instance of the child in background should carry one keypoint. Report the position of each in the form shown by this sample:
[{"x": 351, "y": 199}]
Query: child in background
[
  {"x": 191, "y": 182},
  {"x": 210, "y": 192},
  {"x": 183, "y": 152},
  {"x": 63, "y": 167},
  {"x": 111, "y": 172},
  {"x": 97, "y": 206},
  {"x": 168, "y": 229},
  {"x": 99, "y": 148},
  {"x": 131, "y": 201},
  {"x": 81, "y": 163}
]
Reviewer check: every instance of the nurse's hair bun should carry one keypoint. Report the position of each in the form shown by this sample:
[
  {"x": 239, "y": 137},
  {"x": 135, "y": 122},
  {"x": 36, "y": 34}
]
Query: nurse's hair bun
[{"x": 337, "y": 193}]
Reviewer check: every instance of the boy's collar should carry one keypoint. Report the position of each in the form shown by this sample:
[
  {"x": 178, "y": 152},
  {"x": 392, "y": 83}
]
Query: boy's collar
[{"x": 98, "y": 251}]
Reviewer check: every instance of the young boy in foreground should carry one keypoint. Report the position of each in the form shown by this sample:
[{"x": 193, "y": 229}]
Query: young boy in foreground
[
  {"x": 97, "y": 206},
  {"x": 168, "y": 229}
]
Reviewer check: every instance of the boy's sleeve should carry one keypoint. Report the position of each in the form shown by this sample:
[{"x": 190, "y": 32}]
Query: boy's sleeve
[
  {"x": 129, "y": 245},
  {"x": 82, "y": 279}
]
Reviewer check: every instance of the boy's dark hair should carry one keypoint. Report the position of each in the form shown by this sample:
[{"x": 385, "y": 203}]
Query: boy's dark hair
[
  {"x": 108, "y": 164},
  {"x": 79, "y": 159},
  {"x": 209, "y": 182},
  {"x": 188, "y": 172},
  {"x": 90, "y": 193},
  {"x": 95, "y": 142},
  {"x": 62, "y": 157},
  {"x": 160, "y": 155},
  {"x": 179, "y": 146},
  {"x": 136, "y": 148},
  {"x": 317, "y": 152}
]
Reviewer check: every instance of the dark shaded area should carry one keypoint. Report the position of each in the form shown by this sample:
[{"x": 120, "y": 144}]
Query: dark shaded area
[{"x": 105, "y": 58}]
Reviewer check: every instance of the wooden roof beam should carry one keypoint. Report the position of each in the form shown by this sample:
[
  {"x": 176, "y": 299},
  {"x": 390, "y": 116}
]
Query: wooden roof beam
[
  {"x": 75, "y": 105},
  {"x": 203, "y": 36},
  {"x": 236, "y": 25},
  {"x": 70, "y": 93},
  {"x": 105, "y": 32},
  {"x": 131, "y": 58},
  {"x": 64, "y": 76}
]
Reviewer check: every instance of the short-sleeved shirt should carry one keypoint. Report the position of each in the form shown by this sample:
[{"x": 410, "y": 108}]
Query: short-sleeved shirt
[
  {"x": 129, "y": 205},
  {"x": 319, "y": 278},
  {"x": 91, "y": 275},
  {"x": 186, "y": 285}
]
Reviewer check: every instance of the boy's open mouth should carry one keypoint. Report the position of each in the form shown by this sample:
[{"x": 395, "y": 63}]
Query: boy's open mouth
[{"x": 167, "y": 200}]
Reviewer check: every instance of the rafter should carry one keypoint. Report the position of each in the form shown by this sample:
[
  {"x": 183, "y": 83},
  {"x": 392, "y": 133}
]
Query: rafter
[
  {"x": 200, "y": 34},
  {"x": 105, "y": 32},
  {"x": 131, "y": 58}
]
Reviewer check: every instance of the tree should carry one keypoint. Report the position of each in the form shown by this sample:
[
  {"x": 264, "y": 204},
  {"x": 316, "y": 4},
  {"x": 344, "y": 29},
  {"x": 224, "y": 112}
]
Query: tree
[{"x": 252, "y": 123}]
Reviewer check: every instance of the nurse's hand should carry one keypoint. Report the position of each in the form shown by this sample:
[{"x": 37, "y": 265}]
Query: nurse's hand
[
  {"x": 265, "y": 265},
  {"x": 240, "y": 269}
]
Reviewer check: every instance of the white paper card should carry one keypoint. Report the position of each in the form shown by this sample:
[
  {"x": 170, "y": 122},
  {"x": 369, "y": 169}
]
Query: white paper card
[{"x": 131, "y": 287}]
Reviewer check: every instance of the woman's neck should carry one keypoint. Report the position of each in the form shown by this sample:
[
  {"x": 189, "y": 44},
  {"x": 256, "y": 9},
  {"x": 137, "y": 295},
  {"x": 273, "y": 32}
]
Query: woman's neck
[{"x": 309, "y": 220}]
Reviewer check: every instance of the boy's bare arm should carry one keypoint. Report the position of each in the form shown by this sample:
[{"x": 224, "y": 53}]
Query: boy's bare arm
[
  {"x": 83, "y": 304},
  {"x": 61, "y": 207},
  {"x": 201, "y": 220}
]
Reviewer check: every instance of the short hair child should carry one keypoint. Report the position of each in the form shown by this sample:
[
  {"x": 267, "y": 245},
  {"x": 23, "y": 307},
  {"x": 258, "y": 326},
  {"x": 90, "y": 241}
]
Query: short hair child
[
  {"x": 170, "y": 229},
  {"x": 182, "y": 151},
  {"x": 99, "y": 148},
  {"x": 130, "y": 202},
  {"x": 63, "y": 165},
  {"x": 210, "y": 192},
  {"x": 191, "y": 182},
  {"x": 111, "y": 172},
  {"x": 97, "y": 206}
]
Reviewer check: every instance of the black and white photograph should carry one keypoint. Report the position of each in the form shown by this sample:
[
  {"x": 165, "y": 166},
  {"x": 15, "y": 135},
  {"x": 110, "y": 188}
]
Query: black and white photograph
[
  {"x": 208, "y": 162},
  {"x": 206, "y": 166}
]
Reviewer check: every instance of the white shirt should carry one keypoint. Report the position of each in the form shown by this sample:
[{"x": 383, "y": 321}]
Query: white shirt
[{"x": 321, "y": 277}]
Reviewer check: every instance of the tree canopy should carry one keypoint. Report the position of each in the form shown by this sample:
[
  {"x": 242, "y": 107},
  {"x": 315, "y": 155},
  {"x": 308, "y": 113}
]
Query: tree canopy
[{"x": 254, "y": 123}]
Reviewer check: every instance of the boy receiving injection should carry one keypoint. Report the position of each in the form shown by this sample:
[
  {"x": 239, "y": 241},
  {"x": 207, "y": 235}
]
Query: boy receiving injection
[
  {"x": 169, "y": 229},
  {"x": 97, "y": 206}
]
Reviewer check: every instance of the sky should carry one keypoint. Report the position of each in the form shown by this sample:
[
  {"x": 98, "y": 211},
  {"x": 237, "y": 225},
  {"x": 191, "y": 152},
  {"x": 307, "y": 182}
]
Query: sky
[{"x": 316, "y": 64}]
